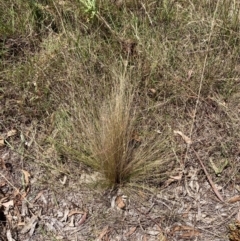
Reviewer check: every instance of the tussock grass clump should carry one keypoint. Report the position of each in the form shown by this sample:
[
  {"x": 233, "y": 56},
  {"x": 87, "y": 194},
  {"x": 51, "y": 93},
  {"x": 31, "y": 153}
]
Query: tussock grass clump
[{"x": 107, "y": 130}]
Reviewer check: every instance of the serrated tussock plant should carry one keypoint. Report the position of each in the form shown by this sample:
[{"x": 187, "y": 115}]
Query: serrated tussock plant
[{"x": 103, "y": 135}]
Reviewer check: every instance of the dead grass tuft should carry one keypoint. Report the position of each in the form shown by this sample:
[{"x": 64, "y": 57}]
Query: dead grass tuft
[{"x": 105, "y": 134}]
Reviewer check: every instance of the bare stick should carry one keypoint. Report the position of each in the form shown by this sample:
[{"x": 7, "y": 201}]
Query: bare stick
[{"x": 209, "y": 178}]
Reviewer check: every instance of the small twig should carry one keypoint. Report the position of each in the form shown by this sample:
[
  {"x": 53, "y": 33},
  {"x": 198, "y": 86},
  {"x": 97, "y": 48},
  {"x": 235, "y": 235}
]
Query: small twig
[
  {"x": 209, "y": 178},
  {"x": 149, "y": 210}
]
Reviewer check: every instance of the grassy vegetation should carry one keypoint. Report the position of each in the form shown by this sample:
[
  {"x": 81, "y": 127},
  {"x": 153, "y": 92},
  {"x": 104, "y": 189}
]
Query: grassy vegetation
[{"x": 109, "y": 81}]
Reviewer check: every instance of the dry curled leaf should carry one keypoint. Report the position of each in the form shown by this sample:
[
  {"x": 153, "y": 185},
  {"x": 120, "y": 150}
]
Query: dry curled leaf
[
  {"x": 83, "y": 218},
  {"x": 174, "y": 179},
  {"x": 104, "y": 232},
  {"x": 2, "y": 142},
  {"x": 234, "y": 199},
  {"x": 2, "y": 162},
  {"x": 185, "y": 231},
  {"x": 12, "y": 133},
  {"x": 131, "y": 231},
  {"x": 190, "y": 72},
  {"x": 185, "y": 138},
  {"x": 120, "y": 202},
  {"x": 238, "y": 216},
  {"x": 75, "y": 212},
  {"x": 26, "y": 177},
  {"x": 177, "y": 178},
  {"x": 38, "y": 196},
  {"x": 152, "y": 91}
]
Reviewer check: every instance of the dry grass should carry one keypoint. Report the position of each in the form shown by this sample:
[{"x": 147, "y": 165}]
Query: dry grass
[
  {"x": 62, "y": 53},
  {"x": 105, "y": 134},
  {"x": 108, "y": 134},
  {"x": 102, "y": 87}
]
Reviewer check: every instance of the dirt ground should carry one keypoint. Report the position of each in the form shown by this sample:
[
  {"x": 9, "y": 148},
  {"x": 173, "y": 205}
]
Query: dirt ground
[{"x": 61, "y": 206}]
